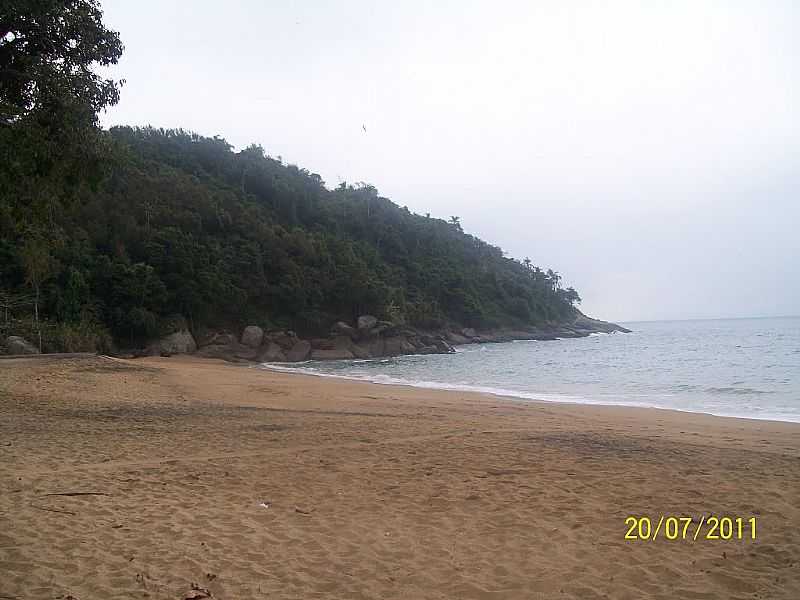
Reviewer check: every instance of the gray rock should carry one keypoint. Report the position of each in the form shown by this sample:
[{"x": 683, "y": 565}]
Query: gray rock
[
  {"x": 299, "y": 351},
  {"x": 336, "y": 354},
  {"x": 384, "y": 328},
  {"x": 398, "y": 345},
  {"x": 252, "y": 336},
  {"x": 596, "y": 325},
  {"x": 272, "y": 353},
  {"x": 218, "y": 339},
  {"x": 428, "y": 350},
  {"x": 375, "y": 347},
  {"x": 342, "y": 328},
  {"x": 223, "y": 351},
  {"x": 284, "y": 339},
  {"x": 322, "y": 344},
  {"x": 246, "y": 353},
  {"x": 360, "y": 351},
  {"x": 366, "y": 322},
  {"x": 444, "y": 347},
  {"x": 455, "y": 338},
  {"x": 19, "y": 345},
  {"x": 469, "y": 332},
  {"x": 180, "y": 342}
]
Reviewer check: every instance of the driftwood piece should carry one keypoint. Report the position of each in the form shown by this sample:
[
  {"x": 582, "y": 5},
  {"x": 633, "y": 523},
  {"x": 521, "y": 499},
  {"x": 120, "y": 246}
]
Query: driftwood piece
[
  {"x": 55, "y": 510},
  {"x": 76, "y": 494}
]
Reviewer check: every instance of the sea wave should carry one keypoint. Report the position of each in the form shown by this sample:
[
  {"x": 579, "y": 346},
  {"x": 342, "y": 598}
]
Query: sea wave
[
  {"x": 642, "y": 401},
  {"x": 743, "y": 391}
]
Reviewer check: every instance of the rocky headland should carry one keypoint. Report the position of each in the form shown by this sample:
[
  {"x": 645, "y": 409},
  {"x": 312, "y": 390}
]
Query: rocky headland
[{"x": 366, "y": 338}]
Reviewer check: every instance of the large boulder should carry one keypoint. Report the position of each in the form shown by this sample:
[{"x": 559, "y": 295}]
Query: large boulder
[
  {"x": 457, "y": 338},
  {"x": 375, "y": 346},
  {"x": 299, "y": 351},
  {"x": 366, "y": 322},
  {"x": 469, "y": 332},
  {"x": 284, "y": 339},
  {"x": 386, "y": 328},
  {"x": 179, "y": 342},
  {"x": 221, "y": 338},
  {"x": 223, "y": 351},
  {"x": 428, "y": 350},
  {"x": 272, "y": 353},
  {"x": 335, "y": 354},
  {"x": 360, "y": 351},
  {"x": 323, "y": 344},
  {"x": 252, "y": 336},
  {"x": 19, "y": 345},
  {"x": 342, "y": 328},
  {"x": 398, "y": 345},
  {"x": 443, "y": 347}
]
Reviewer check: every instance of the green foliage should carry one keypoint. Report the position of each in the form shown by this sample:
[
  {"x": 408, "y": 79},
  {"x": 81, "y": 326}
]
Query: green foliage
[
  {"x": 171, "y": 231},
  {"x": 46, "y": 49}
]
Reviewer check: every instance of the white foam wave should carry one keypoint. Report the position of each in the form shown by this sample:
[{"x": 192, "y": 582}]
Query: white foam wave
[{"x": 602, "y": 400}]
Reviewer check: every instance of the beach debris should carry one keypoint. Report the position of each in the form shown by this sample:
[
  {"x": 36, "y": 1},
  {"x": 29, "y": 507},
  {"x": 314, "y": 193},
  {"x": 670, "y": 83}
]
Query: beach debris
[
  {"x": 266, "y": 504},
  {"x": 54, "y": 510},
  {"x": 75, "y": 494},
  {"x": 303, "y": 511},
  {"x": 198, "y": 593},
  {"x": 500, "y": 472}
]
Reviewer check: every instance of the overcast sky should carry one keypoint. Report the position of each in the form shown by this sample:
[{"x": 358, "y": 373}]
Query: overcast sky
[{"x": 648, "y": 151}]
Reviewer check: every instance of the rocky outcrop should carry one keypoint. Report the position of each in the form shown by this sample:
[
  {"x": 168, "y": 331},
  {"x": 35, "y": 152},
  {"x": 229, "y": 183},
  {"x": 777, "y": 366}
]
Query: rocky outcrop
[
  {"x": 395, "y": 346},
  {"x": 284, "y": 339},
  {"x": 19, "y": 345},
  {"x": 366, "y": 322},
  {"x": 334, "y": 354},
  {"x": 582, "y": 322},
  {"x": 457, "y": 338},
  {"x": 371, "y": 338},
  {"x": 179, "y": 342},
  {"x": 342, "y": 328},
  {"x": 360, "y": 351},
  {"x": 252, "y": 336},
  {"x": 300, "y": 351},
  {"x": 271, "y": 353}
]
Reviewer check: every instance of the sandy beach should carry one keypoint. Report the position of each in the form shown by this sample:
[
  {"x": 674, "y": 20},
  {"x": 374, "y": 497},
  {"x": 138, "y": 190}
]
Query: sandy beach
[{"x": 187, "y": 478}]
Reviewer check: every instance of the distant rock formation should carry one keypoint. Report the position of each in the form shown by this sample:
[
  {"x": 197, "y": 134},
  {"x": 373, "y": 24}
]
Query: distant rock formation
[
  {"x": 252, "y": 336},
  {"x": 16, "y": 344},
  {"x": 179, "y": 342},
  {"x": 367, "y": 338}
]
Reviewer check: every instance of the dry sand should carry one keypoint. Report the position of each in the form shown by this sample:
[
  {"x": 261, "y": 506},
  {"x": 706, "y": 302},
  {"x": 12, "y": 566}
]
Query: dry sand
[{"x": 252, "y": 484}]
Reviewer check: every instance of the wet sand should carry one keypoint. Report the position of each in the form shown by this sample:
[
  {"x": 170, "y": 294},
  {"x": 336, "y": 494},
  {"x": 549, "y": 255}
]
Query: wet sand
[{"x": 179, "y": 473}]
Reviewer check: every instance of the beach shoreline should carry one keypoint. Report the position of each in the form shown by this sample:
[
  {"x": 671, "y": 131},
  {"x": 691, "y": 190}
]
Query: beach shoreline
[{"x": 246, "y": 481}]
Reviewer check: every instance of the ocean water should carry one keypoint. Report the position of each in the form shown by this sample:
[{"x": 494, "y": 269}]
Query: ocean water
[{"x": 730, "y": 367}]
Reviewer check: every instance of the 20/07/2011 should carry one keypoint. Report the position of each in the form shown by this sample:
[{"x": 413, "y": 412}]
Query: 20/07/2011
[{"x": 683, "y": 528}]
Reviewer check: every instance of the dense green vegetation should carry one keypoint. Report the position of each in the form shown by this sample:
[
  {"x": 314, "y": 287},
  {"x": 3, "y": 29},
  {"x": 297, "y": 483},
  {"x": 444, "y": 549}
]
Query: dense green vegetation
[{"x": 124, "y": 231}]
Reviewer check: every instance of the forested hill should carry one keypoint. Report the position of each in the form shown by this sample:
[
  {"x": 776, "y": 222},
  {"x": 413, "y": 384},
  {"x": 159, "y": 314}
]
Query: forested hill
[
  {"x": 125, "y": 235},
  {"x": 183, "y": 225}
]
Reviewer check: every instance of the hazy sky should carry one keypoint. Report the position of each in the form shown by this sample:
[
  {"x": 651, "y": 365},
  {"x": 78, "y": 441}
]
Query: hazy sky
[{"x": 648, "y": 151}]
